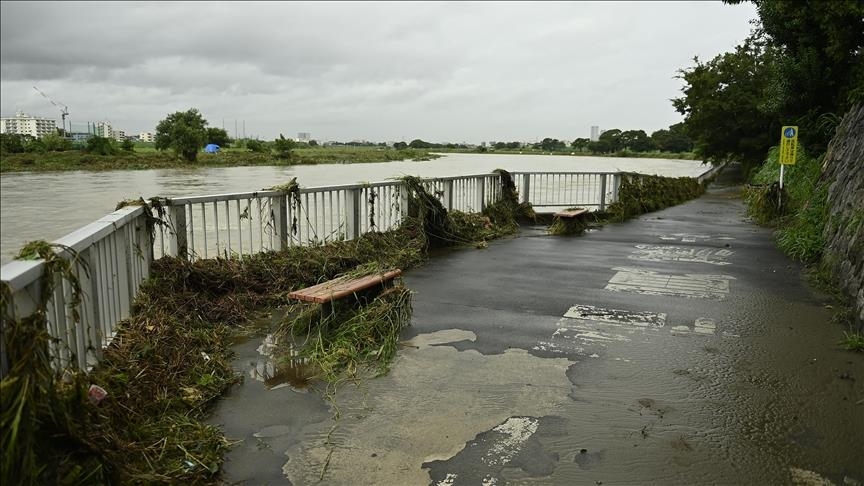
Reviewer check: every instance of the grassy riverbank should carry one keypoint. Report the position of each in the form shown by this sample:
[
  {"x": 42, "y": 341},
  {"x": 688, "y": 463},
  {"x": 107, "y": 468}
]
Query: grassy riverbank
[{"x": 145, "y": 158}]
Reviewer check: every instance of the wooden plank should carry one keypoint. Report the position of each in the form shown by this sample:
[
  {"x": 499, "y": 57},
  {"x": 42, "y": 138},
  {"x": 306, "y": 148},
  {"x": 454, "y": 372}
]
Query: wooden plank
[
  {"x": 571, "y": 213},
  {"x": 341, "y": 287}
]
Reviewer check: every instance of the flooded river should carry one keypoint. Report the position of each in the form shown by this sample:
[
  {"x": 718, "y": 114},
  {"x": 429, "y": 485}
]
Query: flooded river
[{"x": 50, "y": 205}]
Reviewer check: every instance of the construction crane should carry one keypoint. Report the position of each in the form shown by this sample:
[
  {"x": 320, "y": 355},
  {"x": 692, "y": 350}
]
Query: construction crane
[{"x": 64, "y": 110}]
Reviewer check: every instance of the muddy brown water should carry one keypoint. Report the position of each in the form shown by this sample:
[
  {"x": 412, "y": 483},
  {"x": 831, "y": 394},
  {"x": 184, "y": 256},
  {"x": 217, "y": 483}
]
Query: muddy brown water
[{"x": 494, "y": 384}]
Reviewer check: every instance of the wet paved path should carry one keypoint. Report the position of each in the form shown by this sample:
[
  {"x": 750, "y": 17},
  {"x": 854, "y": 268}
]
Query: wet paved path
[{"x": 678, "y": 348}]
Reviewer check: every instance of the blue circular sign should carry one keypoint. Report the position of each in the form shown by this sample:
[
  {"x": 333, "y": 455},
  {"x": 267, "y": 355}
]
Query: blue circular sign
[{"x": 789, "y": 132}]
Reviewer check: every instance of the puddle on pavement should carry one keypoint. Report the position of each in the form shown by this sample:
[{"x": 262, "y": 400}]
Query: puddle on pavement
[{"x": 279, "y": 365}]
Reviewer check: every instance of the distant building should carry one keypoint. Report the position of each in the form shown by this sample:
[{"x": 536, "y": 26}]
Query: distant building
[
  {"x": 595, "y": 133},
  {"x": 304, "y": 137},
  {"x": 23, "y": 124},
  {"x": 147, "y": 137},
  {"x": 79, "y": 136},
  {"x": 105, "y": 130}
]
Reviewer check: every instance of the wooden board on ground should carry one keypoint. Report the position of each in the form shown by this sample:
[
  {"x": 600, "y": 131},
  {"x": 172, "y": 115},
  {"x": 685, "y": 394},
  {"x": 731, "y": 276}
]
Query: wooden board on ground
[
  {"x": 341, "y": 287},
  {"x": 571, "y": 213}
]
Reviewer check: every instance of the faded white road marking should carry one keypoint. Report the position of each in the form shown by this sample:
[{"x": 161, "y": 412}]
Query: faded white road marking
[
  {"x": 639, "y": 281},
  {"x": 668, "y": 253},
  {"x": 803, "y": 477},
  {"x": 448, "y": 480},
  {"x": 703, "y": 325},
  {"x": 616, "y": 316},
  {"x": 514, "y": 432},
  {"x": 690, "y": 238}
]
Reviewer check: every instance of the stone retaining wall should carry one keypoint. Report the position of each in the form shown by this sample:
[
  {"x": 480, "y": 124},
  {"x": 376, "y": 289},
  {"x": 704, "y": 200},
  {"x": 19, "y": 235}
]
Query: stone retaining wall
[{"x": 843, "y": 173}]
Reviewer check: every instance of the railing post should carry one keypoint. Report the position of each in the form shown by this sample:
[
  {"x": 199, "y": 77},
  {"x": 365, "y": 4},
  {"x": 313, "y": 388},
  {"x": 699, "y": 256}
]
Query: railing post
[
  {"x": 448, "y": 194},
  {"x": 279, "y": 208},
  {"x": 177, "y": 245},
  {"x": 602, "y": 192},
  {"x": 482, "y": 193},
  {"x": 616, "y": 185},
  {"x": 526, "y": 187},
  {"x": 91, "y": 300},
  {"x": 352, "y": 212}
]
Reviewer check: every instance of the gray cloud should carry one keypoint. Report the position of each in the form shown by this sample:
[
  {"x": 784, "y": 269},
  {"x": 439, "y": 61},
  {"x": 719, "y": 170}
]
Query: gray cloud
[{"x": 439, "y": 71}]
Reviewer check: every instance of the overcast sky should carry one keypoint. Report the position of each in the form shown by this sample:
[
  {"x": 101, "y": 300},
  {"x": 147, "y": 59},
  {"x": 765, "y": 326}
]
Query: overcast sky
[{"x": 360, "y": 70}]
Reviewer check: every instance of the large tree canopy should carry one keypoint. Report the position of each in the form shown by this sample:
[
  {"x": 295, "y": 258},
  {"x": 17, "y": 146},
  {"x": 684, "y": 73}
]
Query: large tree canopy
[
  {"x": 803, "y": 65},
  {"x": 819, "y": 63},
  {"x": 723, "y": 105},
  {"x": 185, "y": 132}
]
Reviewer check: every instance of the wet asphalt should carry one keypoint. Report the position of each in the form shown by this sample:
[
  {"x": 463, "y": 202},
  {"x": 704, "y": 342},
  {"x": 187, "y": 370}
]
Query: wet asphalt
[{"x": 677, "y": 348}]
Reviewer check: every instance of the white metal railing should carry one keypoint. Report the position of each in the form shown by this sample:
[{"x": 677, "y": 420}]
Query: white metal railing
[
  {"x": 230, "y": 225},
  {"x": 593, "y": 190},
  {"x": 112, "y": 256}
]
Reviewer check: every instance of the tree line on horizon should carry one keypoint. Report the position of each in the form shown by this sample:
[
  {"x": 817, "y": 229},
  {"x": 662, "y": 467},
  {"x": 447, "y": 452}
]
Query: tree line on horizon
[{"x": 674, "y": 139}]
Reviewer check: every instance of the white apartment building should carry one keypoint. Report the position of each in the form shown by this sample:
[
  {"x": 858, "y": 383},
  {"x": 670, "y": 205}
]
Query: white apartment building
[
  {"x": 23, "y": 124},
  {"x": 147, "y": 137},
  {"x": 104, "y": 129}
]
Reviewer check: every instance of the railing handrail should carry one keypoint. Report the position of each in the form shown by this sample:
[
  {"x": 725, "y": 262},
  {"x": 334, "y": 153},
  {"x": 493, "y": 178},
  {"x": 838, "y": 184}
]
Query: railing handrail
[{"x": 305, "y": 190}]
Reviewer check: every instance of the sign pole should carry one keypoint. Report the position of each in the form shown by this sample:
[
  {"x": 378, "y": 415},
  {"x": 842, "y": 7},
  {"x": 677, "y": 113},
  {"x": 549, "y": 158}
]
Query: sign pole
[{"x": 780, "y": 192}]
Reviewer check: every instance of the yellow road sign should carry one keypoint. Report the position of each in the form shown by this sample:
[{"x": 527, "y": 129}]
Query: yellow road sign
[{"x": 788, "y": 145}]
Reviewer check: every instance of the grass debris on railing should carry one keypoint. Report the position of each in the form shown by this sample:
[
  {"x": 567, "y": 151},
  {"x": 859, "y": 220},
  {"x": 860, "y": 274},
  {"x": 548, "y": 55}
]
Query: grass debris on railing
[
  {"x": 640, "y": 194},
  {"x": 448, "y": 228},
  {"x": 43, "y": 412}
]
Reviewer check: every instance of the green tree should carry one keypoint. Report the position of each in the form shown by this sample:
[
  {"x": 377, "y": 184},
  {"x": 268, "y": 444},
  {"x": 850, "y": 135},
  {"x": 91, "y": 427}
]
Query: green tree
[
  {"x": 551, "y": 144},
  {"x": 723, "y": 107},
  {"x": 674, "y": 139},
  {"x": 54, "y": 142},
  {"x": 12, "y": 143},
  {"x": 612, "y": 139},
  {"x": 101, "y": 146},
  {"x": 400, "y": 145},
  {"x": 184, "y": 132},
  {"x": 128, "y": 145},
  {"x": 419, "y": 144},
  {"x": 314, "y": 143},
  {"x": 218, "y": 136},
  {"x": 601, "y": 146},
  {"x": 818, "y": 64},
  {"x": 636, "y": 141},
  {"x": 257, "y": 146},
  {"x": 284, "y": 147},
  {"x": 580, "y": 143}
]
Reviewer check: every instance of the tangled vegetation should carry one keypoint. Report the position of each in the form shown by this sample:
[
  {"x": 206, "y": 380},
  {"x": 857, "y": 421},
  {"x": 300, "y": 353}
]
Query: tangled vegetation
[
  {"x": 172, "y": 357},
  {"x": 641, "y": 194},
  {"x": 801, "y": 218},
  {"x": 569, "y": 226}
]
